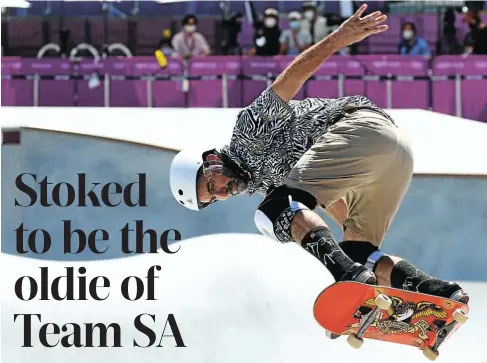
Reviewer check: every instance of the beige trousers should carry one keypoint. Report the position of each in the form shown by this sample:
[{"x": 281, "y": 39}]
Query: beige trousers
[{"x": 365, "y": 160}]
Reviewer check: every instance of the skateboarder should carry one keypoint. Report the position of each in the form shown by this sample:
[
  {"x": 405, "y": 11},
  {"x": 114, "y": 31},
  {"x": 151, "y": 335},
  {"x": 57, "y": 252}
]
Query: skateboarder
[{"x": 344, "y": 155}]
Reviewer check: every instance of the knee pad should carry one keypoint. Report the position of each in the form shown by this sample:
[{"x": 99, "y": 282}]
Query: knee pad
[
  {"x": 364, "y": 253},
  {"x": 274, "y": 215}
]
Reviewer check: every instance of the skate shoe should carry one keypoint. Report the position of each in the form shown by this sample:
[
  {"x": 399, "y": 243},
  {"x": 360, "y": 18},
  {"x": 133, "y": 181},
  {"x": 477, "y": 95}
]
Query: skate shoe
[
  {"x": 449, "y": 290},
  {"x": 459, "y": 294},
  {"x": 359, "y": 273}
]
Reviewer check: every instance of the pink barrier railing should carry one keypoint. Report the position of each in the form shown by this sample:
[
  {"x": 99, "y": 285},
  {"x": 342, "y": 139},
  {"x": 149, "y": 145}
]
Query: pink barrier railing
[{"x": 449, "y": 84}]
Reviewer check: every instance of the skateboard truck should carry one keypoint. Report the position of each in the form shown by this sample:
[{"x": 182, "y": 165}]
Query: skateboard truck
[
  {"x": 459, "y": 317},
  {"x": 382, "y": 302}
]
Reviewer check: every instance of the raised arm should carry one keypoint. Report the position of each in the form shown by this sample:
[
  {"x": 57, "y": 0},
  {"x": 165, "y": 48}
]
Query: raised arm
[{"x": 353, "y": 30}]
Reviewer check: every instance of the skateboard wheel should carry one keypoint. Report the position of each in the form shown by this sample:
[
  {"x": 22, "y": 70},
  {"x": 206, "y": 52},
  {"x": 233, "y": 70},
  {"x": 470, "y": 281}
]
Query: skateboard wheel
[
  {"x": 354, "y": 341},
  {"x": 383, "y": 302},
  {"x": 430, "y": 353},
  {"x": 460, "y": 316}
]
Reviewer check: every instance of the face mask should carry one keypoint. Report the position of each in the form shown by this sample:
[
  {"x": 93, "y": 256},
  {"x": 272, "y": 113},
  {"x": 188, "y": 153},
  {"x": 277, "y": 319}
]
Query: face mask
[
  {"x": 270, "y": 22},
  {"x": 190, "y": 28},
  {"x": 309, "y": 14},
  {"x": 407, "y": 34},
  {"x": 294, "y": 24}
]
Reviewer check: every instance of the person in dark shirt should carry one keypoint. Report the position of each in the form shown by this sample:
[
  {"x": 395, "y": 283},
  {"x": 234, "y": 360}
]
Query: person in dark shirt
[
  {"x": 232, "y": 28},
  {"x": 448, "y": 42},
  {"x": 267, "y": 35},
  {"x": 346, "y": 156},
  {"x": 476, "y": 40}
]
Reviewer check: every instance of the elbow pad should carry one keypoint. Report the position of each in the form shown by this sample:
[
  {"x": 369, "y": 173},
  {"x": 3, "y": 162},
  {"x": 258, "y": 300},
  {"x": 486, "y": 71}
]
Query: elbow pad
[{"x": 274, "y": 215}]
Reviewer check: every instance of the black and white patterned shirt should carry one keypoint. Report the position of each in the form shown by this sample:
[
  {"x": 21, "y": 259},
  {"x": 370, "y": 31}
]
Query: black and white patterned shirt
[{"x": 270, "y": 135}]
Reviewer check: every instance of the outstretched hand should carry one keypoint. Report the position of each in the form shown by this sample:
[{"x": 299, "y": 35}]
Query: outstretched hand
[
  {"x": 353, "y": 30},
  {"x": 356, "y": 28}
]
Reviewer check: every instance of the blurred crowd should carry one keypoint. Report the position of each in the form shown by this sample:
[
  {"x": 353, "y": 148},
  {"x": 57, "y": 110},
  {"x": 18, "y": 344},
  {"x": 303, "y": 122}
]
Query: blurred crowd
[
  {"x": 263, "y": 32},
  {"x": 306, "y": 26}
]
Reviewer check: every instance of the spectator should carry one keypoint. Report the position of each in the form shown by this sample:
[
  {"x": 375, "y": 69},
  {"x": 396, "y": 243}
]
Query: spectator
[
  {"x": 313, "y": 23},
  {"x": 476, "y": 40},
  {"x": 165, "y": 45},
  {"x": 448, "y": 42},
  {"x": 232, "y": 26},
  {"x": 189, "y": 42},
  {"x": 267, "y": 34},
  {"x": 294, "y": 40},
  {"x": 412, "y": 43}
]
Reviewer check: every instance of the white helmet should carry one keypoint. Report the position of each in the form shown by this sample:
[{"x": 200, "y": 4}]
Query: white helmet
[{"x": 182, "y": 177}]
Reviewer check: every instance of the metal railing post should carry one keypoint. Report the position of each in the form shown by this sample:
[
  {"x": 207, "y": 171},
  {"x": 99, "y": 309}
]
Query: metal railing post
[
  {"x": 341, "y": 85},
  {"x": 458, "y": 95},
  {"x": 185, "y": 83},
  {"x": 224, "y": 91},
  {"x": 149, "y": 91},
  {"x": 106, "y": 91},
  {"x": 36, "y": 90},
  {"x": 430, "y": 88},
  {"x": 389, "y": 91}
]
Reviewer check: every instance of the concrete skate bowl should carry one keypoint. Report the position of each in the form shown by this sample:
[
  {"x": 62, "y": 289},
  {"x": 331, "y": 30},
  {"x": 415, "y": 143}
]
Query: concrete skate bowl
[{"x": 236, "y": 298}]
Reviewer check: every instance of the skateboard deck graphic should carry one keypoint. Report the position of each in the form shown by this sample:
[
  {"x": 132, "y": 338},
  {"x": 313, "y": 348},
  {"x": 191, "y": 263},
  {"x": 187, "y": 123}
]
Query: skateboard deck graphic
[{"x": 415, "y": 319}]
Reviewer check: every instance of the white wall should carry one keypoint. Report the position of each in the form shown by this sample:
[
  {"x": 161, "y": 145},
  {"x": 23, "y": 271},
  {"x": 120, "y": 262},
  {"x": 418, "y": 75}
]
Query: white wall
[{"x": 442, "y": 144}]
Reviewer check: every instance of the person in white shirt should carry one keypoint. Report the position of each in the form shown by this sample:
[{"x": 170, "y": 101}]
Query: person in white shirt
[
  {"x": 313, "y": 23},
  {"x": 189, "y": 42},
  {"x": 294, "y": 40}
]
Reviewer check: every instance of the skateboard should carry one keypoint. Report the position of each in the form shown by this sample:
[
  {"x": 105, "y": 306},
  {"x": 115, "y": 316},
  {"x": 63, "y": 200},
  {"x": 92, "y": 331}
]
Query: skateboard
[{"x": 393, "y": 315}]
